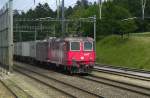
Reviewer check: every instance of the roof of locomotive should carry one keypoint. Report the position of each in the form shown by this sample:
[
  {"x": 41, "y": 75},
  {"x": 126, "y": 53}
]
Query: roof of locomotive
[
  {"x": 79, "y": 39},
  {"x": 73, "y": 39}
]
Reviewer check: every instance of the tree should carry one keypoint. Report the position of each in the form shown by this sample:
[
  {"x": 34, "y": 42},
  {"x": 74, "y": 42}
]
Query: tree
[
  {"x": 82, "y": 3},
  {"x": 78, "y": 3},
  {"x": 16, "y": 13},
  {"x": 134, "y": 6},
  {"x": 69, "y": 11},
  {"x": 117, "y": 14},
  {"x": 85, "y": 3}
]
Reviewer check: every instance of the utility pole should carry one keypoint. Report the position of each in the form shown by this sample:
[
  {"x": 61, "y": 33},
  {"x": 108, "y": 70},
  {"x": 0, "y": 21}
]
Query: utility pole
[
  {"x": 58, "y": 6},
  {"x": 94, "y": 18},
  {"x": 63, "y": 19},
  {"x": 54, "y": 30},
  {"x": 100, "y": 9},
  {"x": 34, "y": 2},
  {"x": 143, "y": 3},
  {"x": 20, "y": 36},
  {"x": 35, "y": 34},
  {"x": 35, "y": 39},
  {"x": 10, "y": 36}
]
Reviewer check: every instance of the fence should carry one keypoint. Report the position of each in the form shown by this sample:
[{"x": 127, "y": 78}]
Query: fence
[{"x": 6, "y": 36}]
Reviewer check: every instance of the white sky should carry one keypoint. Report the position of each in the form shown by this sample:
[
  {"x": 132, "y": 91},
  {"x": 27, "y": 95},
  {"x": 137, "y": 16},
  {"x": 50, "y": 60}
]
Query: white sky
[{"x": 27, "y": 4}]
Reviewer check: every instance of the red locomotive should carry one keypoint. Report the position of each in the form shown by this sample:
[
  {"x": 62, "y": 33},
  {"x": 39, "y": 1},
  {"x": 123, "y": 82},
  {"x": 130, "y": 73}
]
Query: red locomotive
[{"x": 74, "y": 54}]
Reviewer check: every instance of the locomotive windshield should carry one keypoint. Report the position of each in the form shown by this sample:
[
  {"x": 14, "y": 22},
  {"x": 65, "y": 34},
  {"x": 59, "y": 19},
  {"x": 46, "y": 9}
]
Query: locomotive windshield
[
  {"x": 75, "y": 46},
  {"x": 88, "y": 46}
]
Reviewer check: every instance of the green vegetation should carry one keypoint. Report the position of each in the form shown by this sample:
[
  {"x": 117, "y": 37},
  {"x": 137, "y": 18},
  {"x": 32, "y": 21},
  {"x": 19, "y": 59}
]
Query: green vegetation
[
  {"x": 145, "y": 34},
  {"x": 117, "y": 18},
  {"x": 115, "y": 14},
  {"x": 133, "y": 52}
]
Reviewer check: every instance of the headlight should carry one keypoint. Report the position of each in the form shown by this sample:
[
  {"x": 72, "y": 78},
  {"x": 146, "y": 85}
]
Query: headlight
[
  {"x": 82, "y": 58},
  {"x": 91, "y": 58}
]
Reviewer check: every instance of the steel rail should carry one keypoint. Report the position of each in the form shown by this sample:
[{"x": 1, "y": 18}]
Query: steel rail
[
  {"x": 44, "y": 83},
  {"x": 48, "y": 77},
  {"x": 27, "y": 94},
  {"x": 123, "y": 68},
  {"x": 12, "y": 92},
  {"x": 9, "y": 89},
  {"x": 105, "y": 81},
  {"x": 125, "y": 74}
]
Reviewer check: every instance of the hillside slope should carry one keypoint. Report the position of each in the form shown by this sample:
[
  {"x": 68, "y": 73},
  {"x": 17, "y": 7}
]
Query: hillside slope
[{"x": 133, "y": 52}]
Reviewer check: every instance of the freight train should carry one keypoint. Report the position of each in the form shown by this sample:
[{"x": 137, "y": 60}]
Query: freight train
[{"x": 72, "y": 54}]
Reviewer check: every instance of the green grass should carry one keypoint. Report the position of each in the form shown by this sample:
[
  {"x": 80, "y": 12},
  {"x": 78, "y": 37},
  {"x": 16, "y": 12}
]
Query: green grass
[
  {"x": 133, "y": 52},
  {"x": 145, "y": 34}
]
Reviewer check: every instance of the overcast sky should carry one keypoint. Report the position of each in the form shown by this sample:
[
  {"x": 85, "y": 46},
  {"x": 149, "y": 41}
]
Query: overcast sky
[{"x": 27, "y": 4}]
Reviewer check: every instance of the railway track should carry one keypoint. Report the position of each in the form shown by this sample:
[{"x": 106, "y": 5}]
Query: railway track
[
  {"x": 117, "y": 84},
  {"x": 123, "y": 68},
  {"x": 126, "y": 74},
  {"x": 14, "y": 95},
  {"x": 66, "y": 88},
  {"x": 120, "y": 84},
  {"x": 92, "y": 79},
  {"x": 15, "y": 90}
]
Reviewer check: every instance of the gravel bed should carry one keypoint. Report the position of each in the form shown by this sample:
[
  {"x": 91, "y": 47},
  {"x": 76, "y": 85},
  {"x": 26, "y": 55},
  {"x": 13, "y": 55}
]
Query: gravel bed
[
  {"x": 4, "y": 92},
  {"x": 71, "y": 90},
  {"x": 138, "y": 82},
  {"x": 35, "y": 89},
  {"x": 131, "y": 88},
  {"x": 101, "y": 89}
]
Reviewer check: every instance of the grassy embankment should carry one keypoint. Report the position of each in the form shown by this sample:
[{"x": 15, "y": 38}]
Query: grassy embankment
[{"x": 133, "y": 52}]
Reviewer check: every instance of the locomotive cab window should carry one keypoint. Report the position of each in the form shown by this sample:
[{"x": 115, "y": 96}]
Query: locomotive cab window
[
  {"x": 75, "y": 46},
  {"x": 88, "y": 46}
]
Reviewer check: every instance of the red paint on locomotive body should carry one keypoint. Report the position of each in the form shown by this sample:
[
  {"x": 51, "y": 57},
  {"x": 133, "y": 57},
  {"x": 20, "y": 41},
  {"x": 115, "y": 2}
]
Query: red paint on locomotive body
[
  {"x": 82, "y": 58},
  {"x": 72, "y": 52}
]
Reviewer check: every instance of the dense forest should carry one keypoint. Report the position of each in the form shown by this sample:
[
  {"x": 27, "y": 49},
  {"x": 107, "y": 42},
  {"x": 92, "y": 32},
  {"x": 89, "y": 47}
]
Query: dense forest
[{"x": 118, "y": 17}]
